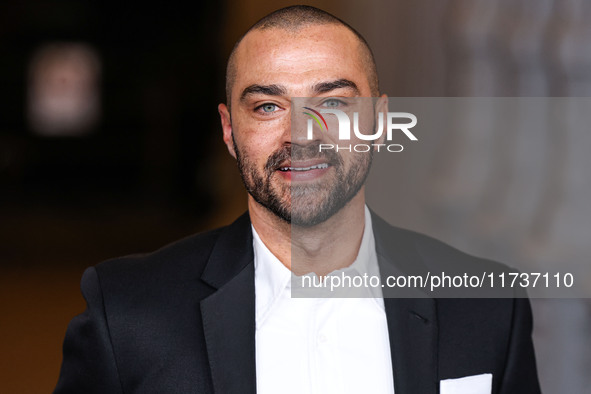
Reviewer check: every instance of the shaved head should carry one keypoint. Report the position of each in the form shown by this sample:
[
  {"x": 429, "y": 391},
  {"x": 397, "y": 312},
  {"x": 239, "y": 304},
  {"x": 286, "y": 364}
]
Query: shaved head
[{"x": 293, "y": 19}]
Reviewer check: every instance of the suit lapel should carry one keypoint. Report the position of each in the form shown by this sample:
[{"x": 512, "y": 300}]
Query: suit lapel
[
  {"x": 411, "y": 316},
  {"x": 229, "y": 313}
]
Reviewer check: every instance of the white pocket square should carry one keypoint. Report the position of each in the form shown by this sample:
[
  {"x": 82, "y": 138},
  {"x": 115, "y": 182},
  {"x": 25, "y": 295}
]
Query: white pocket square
[{"x": 475, "y": 384}]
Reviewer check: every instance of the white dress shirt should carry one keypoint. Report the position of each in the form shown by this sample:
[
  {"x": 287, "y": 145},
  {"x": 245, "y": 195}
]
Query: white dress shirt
[{"x": 320, "y": 345}]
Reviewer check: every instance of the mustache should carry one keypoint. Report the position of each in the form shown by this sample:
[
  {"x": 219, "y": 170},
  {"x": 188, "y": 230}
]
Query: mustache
[{"x": 293, "y": 153}]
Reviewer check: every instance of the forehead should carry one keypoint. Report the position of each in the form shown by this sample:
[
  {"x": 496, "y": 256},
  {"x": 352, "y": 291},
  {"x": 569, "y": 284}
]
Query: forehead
[{"x": 298, "y": 59}]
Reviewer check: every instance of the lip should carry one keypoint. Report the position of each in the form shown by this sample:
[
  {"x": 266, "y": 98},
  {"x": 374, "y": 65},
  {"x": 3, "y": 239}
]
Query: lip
[
  {"x": 305, "y": 170},
  {"x": 303, "y": 163}
]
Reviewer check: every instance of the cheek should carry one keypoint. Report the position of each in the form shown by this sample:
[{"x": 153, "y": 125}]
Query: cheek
[
  {"x": 253, "y": 147},
  {"x": 258, "y": 140},
  {"x": 253, "y": 131}
]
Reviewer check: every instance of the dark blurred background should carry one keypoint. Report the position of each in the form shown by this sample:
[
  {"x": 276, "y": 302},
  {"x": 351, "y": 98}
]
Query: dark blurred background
[
  {"x": 108, "y": 146},
  {"x": 110, "y": 141}
]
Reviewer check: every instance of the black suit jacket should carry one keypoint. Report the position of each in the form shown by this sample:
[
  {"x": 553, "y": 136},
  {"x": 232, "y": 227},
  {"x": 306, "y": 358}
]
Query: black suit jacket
[{"x": 182, "y": 320}]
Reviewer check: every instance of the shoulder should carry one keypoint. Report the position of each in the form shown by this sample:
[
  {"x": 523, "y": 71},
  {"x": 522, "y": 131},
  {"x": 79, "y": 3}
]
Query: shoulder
[
  {"x": 174, "y": 271},
  {"x": 428, "y": 252},
  {"x": 185, "y": 257},
  {"x": 169, "y": 276},
  {"x": 443, "y": 270},
  {"x": 151, "y": 290}
]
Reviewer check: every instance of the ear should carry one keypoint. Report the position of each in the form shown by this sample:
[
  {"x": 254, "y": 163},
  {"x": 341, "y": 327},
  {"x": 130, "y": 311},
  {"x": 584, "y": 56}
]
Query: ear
[
  {"x": 226, "y": 128},
  {"x": 381, "y": 109}
]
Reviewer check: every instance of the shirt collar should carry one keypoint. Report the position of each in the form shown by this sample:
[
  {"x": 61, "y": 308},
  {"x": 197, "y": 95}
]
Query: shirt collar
[
  {"x": 272, "y": 278},
  {"x": 366, "y": 260}
]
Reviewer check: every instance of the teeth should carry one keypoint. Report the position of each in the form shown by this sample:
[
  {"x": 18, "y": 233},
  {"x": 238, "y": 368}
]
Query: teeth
[{"x": 318, "y": 166}]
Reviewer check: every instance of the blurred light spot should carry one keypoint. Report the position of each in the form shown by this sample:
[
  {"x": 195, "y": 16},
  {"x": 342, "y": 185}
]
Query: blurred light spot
[{"x": 63, "y": 90}]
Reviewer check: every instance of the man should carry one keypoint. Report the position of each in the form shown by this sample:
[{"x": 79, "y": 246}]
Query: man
[{"x": 213, "y": 312}]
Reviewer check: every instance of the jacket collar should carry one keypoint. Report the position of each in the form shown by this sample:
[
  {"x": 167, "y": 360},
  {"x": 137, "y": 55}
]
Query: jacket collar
[{"x": 231, "y": 253}]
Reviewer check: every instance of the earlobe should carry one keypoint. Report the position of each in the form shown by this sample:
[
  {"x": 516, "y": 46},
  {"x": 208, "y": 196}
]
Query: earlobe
[{"x": 227, "y": 128}]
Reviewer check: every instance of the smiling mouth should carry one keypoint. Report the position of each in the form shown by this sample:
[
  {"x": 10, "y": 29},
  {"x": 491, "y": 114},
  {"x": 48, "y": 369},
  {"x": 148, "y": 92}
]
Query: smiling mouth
[{"x": 314, "y": 167}]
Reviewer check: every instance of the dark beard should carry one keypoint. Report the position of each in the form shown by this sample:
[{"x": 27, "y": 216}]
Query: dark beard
[{"x": 303, "y": 205}]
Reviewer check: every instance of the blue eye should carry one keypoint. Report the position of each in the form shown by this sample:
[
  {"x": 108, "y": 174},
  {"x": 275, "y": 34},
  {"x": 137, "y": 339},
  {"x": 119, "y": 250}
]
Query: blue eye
[
  {"x": 268, "y": 108},
  {"x": 332, "y": 103}
]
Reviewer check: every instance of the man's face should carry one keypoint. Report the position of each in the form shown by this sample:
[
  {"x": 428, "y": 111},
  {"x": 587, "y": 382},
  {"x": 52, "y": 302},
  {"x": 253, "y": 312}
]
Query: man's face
[{"x": 281, "y": 169}]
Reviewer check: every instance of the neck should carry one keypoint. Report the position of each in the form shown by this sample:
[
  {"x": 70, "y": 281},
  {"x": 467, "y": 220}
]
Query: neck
[{"x": 328, "y": 246}]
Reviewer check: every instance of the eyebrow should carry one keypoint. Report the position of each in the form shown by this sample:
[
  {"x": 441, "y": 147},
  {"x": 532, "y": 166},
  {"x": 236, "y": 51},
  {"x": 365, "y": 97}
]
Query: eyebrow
[
  {"x": 268, "y": 90},
  {"x": 325, "y": 87},
  {"x": 318, "y": 88}
]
